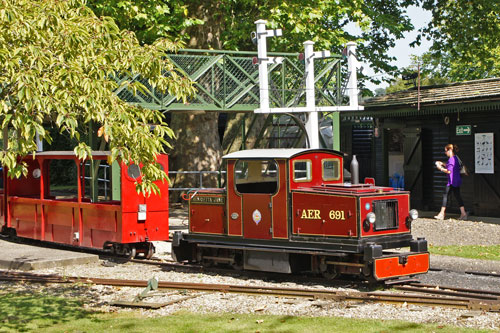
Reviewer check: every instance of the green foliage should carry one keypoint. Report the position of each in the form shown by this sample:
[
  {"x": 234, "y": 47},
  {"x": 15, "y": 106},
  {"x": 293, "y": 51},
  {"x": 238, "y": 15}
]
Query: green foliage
[
  {"x": 322, "y": 21},
  {"x": 149, "y": 19},
  {"x": 466, "y": 38},
  {"x": 58, "y": 63},
  {"x": 469, "y": 251},
  {"x": 325, "y": 22}
]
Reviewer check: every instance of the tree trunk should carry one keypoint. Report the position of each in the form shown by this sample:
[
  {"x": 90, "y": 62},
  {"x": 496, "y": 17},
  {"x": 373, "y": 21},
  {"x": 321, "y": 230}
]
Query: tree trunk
[
  {"x": 197, "y": 148},
  {"x": 233, "y": 136}
]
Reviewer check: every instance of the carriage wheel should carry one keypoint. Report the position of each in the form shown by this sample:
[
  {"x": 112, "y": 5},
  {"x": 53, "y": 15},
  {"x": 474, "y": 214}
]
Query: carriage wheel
[
  {"x": 129, "y": 251},
  {"x": 150, "y": 251}
]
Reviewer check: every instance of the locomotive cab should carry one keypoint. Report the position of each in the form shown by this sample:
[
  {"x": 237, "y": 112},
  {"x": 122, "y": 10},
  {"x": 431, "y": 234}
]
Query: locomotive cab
[{"x": 286, "y": 210}]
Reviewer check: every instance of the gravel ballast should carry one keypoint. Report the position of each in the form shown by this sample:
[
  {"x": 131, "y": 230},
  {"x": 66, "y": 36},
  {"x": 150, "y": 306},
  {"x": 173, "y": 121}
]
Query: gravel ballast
[{"x": 447, "y": 232}]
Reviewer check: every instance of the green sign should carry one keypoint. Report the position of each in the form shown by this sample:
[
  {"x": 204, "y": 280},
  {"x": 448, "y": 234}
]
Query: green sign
[{"x": 464, "y": 130}]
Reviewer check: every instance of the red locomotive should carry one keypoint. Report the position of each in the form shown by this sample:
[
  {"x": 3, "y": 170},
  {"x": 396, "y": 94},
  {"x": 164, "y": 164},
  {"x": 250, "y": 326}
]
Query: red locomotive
[
  {"x": 82, "y": 212},
  {"x": 289, "y": 210}
]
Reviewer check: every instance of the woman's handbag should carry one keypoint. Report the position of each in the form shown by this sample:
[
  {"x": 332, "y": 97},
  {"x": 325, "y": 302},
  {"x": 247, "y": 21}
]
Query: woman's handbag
[{"x": 463, "y": 169}]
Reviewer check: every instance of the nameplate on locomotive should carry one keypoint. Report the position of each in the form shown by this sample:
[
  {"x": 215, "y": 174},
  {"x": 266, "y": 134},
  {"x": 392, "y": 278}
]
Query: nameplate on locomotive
[
  {"x": 315, "y": 214},
  {"x": 208, "y": 200}
]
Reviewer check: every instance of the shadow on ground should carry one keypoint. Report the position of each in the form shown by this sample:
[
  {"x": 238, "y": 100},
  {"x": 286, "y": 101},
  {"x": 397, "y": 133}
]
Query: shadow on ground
[{"x": 31, "y": 310}]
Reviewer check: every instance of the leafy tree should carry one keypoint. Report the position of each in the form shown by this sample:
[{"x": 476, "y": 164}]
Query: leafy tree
[
  {"x": 465, "y": 36},
  {"x": 227, "y": 24},
  {"x": 58, "y": 63},
  {"x": 149, "y": 19}
]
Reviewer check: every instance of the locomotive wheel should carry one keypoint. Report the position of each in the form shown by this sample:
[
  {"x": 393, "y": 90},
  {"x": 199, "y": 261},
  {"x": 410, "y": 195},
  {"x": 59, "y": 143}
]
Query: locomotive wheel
[
  {"x": 173, "y": 255},
  {"x": 237, "y": 263},
  {"x": 329, "y": 273}
]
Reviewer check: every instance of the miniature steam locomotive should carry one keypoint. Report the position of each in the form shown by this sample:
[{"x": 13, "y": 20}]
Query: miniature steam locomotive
[{"x": 289, "y": 210}]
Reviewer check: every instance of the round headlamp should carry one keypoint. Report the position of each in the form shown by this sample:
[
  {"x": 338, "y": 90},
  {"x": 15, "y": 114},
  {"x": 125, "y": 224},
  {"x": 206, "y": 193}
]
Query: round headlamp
[
  {"x": 370, "y": 217},
  {"x": 413, "y": 214}
]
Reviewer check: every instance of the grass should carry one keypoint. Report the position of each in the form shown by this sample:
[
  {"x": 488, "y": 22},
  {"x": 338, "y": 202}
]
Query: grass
[
  {"x": 468, "y": 251},
  {"x": 24, "y": 311},
  {"x": 29, "y": 311}
]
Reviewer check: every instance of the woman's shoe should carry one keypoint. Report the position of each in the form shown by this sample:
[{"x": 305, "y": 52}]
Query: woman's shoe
[
  {"x": 463, "y": 217},
  {"x": 439, "y": 217}
]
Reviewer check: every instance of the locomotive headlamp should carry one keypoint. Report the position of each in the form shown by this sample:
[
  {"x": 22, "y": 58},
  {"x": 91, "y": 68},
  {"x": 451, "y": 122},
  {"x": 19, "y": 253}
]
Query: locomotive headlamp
[
  {"x": 370, "y": 217},
  {"x": 413, "y": 214}
]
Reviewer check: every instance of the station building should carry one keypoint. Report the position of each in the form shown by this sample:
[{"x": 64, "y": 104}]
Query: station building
[{"x": 399, "y": 136}]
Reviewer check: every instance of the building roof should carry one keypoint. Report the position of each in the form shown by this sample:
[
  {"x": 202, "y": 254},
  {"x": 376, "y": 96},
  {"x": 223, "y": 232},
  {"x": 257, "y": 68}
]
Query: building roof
[
  {"x": 273, "y": 153},
  {"x": 462, "y": 92}
]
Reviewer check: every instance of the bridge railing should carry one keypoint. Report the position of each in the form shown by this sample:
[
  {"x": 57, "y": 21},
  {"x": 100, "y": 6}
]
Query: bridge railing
[{"x": 229, "y": 81}]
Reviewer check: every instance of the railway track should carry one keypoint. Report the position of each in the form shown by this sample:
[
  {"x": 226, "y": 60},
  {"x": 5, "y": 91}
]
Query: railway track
[{"x": 416, "y": 294}]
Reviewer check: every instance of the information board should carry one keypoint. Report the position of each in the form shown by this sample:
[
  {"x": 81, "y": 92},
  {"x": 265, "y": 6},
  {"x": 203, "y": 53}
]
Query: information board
[{"x": 484, "y": 153}]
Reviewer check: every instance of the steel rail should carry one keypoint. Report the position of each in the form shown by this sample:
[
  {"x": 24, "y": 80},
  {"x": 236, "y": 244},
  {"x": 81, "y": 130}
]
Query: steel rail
[
  {"x": 433, "y": 300},
  {"x": 477, "y": 294}
]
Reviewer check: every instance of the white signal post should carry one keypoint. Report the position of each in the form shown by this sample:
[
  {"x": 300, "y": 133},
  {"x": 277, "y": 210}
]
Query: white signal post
[
  {"x": 263, "y": 60},
  {"x": 352, "y": 66},
  {"x": 312, "y": 125}
]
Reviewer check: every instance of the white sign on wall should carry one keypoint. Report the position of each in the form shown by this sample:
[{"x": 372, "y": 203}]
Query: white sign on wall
[{"x": 484, "y": 153}]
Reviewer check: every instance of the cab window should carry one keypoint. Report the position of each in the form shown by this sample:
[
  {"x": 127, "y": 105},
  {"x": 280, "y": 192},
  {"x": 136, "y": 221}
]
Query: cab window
[
  {"x": 331, "y": 169},
  {"x": 256, "y": 176},
  {"x": 302, "y": 170}
]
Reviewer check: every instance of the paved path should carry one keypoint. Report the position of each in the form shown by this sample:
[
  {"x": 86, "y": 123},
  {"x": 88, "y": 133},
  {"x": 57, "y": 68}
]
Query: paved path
[{"x": 29, "y": 257}]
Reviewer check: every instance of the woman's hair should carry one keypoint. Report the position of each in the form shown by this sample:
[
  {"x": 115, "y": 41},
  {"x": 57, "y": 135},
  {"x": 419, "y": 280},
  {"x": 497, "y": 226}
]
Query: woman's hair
[{"x": 454, "y": 148}]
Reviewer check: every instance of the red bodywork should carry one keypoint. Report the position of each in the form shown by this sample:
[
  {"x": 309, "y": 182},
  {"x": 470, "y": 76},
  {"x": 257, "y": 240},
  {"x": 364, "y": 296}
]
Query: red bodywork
[
  {"x": 309, "y": 207},
  {"x": 34, "y": 213}
]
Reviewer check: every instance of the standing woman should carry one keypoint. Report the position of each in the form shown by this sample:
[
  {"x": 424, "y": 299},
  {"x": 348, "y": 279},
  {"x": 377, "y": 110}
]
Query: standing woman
[{"x": 452, "y": 169}]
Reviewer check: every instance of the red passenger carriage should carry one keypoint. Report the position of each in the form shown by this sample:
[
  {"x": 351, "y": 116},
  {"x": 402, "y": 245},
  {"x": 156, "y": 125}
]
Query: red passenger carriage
[
  {"x": 65, "y": 200},
  {"x": 288, "y": 210}
]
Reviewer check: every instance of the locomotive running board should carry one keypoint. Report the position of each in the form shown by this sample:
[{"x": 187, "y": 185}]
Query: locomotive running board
[{"x": 402, "y": 264}]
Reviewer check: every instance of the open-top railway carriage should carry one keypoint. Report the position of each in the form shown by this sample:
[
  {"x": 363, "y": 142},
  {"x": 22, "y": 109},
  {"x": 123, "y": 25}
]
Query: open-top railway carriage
[
  {"x": 289, "y": 210},
  {"x": 85, "y": 203}
]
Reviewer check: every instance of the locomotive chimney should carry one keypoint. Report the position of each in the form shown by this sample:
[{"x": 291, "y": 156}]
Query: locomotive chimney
[{"x": 354, "y": 170}]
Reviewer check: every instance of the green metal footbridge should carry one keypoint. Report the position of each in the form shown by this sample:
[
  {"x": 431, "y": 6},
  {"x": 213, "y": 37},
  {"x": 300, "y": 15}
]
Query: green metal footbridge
[{"x": 228, "y": 81}]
